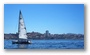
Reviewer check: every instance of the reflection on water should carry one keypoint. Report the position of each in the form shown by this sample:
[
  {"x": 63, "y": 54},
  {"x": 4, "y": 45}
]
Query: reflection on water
[{"x": 22, "y": 46}]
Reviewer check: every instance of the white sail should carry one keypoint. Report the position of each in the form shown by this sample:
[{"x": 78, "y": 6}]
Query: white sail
[{"x": 21, "y": 28}]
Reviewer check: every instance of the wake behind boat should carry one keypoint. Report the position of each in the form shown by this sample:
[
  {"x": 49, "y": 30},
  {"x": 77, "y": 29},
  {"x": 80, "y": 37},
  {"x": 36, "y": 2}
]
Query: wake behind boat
[{"x": 22, "y": 34}]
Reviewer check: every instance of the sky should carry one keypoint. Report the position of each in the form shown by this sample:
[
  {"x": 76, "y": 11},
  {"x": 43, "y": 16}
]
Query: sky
[{"x": 56, "y": 18}]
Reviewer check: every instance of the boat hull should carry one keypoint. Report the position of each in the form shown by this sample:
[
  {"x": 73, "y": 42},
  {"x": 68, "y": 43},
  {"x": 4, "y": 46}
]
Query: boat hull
[{"x": 21, "y": 42}]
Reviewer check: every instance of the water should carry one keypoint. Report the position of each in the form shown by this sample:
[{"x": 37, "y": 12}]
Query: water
[{"x": 47, "y": 44}]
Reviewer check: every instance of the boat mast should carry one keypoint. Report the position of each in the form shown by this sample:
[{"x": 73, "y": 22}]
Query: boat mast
[{"x": 21, "y": 27}]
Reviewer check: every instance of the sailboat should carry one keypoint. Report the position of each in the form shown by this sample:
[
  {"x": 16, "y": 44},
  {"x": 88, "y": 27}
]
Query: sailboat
[{"x": 22, "y": 34}]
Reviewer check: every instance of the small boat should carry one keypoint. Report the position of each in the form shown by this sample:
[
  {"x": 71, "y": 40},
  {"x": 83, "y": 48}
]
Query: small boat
[{"x": 22, "y": 34}]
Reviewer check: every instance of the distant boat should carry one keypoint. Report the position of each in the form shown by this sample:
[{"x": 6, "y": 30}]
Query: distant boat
[{"x": 22, "y": 34}]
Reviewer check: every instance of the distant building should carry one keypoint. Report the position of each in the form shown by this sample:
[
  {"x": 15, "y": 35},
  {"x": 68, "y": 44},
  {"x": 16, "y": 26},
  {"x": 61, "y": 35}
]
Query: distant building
[{"x": 47, "y": 34}]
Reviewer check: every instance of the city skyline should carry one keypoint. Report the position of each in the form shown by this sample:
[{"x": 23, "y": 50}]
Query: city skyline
[{"x": 57, "y": 18}]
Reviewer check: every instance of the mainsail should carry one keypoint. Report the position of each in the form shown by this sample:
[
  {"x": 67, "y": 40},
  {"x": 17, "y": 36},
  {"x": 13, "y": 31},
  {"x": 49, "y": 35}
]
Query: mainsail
[{"x": 21, "y": 28}]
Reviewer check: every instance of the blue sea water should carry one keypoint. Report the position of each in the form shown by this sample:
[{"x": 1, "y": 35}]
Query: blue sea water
[{"x": 47, "y": 44}]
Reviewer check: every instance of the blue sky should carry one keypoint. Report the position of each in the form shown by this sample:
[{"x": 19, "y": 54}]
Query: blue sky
[{"x": 57, "y": 18}]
